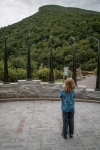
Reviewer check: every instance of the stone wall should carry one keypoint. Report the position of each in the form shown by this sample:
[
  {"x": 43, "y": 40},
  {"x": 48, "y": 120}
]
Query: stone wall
[
  {"x": 38, "y": 89},
  {"x": 8, "y": 90}
]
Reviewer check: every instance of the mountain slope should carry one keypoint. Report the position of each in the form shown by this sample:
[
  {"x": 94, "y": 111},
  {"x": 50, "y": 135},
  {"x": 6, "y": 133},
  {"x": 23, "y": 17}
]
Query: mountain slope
[
  {"x": 61, "y": 23},
  {"x": 57, "y": 8}
]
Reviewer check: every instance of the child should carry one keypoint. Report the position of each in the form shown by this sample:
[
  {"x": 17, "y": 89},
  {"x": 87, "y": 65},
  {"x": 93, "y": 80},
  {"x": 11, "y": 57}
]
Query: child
[{"x": 67, "y": 105}]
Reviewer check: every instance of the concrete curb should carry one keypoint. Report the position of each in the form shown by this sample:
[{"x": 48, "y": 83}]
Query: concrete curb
[{"x": 45, "y": 99}]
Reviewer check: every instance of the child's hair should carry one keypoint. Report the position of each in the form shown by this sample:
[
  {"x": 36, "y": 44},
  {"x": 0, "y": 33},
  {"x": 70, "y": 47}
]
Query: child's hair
[{"x": 69, "y": 85}]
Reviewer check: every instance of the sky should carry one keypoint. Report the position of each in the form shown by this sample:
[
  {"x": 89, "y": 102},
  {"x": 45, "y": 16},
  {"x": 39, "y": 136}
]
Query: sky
[{"x": 13, "y": 11}]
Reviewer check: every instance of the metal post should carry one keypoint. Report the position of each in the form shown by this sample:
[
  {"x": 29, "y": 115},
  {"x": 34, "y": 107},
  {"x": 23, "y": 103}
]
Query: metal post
[
  {"x": 5, "y": 65},
  {"x": 74, "y": 63},
  {"x": 98, "y": 67},
  {"x": 51, "y": 75},
  {"x": 29, "y": 63}
]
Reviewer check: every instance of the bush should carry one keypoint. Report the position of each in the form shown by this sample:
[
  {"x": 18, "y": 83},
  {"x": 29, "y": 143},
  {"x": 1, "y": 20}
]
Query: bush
[
  {"x": 43, "y": 74},
  {"x": 95, "y": 71},
  {"x": 58, "y": 74},
  {"x": 69, "y": 73},
  {"x": 17, "y": 74}
]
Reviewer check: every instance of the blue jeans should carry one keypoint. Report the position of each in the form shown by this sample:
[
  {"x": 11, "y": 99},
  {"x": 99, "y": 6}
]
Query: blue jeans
[{"x": 68, "y": 121}]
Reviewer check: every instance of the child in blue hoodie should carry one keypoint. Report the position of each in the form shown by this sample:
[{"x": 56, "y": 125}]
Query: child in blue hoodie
[{"x": 67, "y": 105}]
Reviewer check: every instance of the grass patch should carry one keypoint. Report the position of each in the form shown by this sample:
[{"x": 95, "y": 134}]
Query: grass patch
[{"x": 59, "y": 80}]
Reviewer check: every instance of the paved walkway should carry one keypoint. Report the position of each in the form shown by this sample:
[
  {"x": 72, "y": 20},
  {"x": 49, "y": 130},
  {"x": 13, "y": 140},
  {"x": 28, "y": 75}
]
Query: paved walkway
[
  {"x": 36, "y": 125},
  {"x": 89, "y": 82}
]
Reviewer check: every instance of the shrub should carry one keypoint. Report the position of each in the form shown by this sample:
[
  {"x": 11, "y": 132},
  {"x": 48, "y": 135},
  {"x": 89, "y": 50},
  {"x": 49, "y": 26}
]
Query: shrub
[
  {"x": 58, "y": 74},
  {"x": 43, "y": 74},
  {"x": 17, "y": 74}
]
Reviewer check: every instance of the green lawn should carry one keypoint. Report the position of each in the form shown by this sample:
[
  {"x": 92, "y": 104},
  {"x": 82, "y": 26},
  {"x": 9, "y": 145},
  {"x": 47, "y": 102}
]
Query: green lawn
[{"x": 59, "y": 80}]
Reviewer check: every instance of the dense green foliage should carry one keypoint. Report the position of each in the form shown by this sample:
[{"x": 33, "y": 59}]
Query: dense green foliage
[{"x": 61, "y": 23}]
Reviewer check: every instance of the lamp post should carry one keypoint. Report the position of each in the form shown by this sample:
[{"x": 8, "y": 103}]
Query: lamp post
[
  {"x": 5, "y": 65},
  {"x": 51, "y": 75},
  {"x": 74, "y": 63},
  {"x": 29, "y": 62},
  {"x": 98, "y": 67}
]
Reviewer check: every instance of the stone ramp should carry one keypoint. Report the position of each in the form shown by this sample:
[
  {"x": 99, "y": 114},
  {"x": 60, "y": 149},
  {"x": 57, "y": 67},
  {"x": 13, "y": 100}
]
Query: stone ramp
[{"x": 37, "y": 125}]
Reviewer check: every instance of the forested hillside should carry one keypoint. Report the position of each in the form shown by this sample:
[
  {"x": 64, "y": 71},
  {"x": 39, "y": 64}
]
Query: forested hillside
[{"x": 61, "y": 23}]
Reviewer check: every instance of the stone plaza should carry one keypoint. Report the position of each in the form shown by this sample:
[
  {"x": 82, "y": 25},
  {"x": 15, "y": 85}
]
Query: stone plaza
[{"x": 37, "y": 125}]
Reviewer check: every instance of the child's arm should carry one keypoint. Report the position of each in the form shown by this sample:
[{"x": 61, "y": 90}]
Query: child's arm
[
  {"x": 74, "y": 94},
  {"x": 60, "y": 94}
]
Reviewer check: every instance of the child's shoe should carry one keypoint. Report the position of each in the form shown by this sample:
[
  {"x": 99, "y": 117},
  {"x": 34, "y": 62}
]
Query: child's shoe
[
  {"x": 65, "y": 137},
  {"x": 71, "y": 135}
]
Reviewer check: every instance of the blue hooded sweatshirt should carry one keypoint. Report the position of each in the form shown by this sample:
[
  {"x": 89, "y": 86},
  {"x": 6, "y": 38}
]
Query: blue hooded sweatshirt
[{"x": 67, "y": 103}]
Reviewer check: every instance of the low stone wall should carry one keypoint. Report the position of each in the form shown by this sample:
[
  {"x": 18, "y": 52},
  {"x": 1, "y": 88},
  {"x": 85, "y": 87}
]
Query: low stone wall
[
  {"x": 38, "y": 89},
  {"x": 8, "y": 90},
  {"x": 92, "y": 94}
]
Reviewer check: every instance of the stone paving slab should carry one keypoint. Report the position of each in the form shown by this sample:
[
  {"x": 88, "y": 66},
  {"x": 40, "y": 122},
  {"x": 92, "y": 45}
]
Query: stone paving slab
[{"x": 37, "y": 125}]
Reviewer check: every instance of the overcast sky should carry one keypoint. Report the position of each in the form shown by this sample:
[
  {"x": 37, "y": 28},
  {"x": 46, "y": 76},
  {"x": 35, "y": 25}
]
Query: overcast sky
[{"x": 12, "y": 11}]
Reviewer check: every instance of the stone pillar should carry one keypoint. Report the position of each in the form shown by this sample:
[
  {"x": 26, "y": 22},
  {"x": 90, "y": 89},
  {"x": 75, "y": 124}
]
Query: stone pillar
[
  {"x": 81, "y": 92},
  {"x": 8, "y": 90},
  {"x": 91, "y": 94},
  {"x": 50, "y": 89},
  {"x": 29, "y": 89}
]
